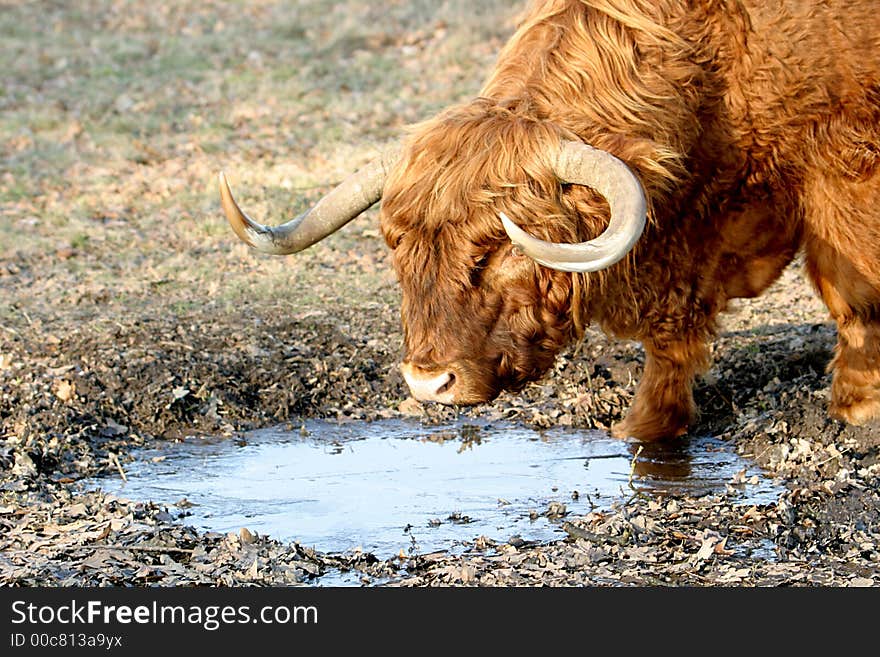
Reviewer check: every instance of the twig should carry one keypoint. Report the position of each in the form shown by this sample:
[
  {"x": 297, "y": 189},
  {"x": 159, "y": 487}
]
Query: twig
[
  {"x": 590, "y": 501},
  {"x": 114, "y": 459},
  {"x": 833, "y": 456},
  {"x": 632, "y": 467},
  {"x": 592, "y": 397},
  {"x": 172, "y": 343},
  {"x": 639, "y": 494},
  {"x": 577, "y": 532},
  {"x": 133, "y": 548}
]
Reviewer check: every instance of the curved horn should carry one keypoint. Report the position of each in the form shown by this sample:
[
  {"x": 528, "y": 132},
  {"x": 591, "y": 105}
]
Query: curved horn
[
  {"x": 345, "y": 202},
  {"x": 580, "y": 164}
]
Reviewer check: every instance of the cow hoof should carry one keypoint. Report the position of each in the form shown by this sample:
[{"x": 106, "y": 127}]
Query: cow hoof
[
  {"x": 858, "y": 412},
  {"x": 646, "y": 431}
]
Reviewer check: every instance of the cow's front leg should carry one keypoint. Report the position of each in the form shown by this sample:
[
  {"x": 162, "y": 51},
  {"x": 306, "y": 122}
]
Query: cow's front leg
[{"x": 664, "y": 403}]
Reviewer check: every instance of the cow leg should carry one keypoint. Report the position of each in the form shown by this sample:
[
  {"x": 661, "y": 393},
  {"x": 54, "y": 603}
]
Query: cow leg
[
  {"x": 664, "y": 403},
  {"x": 843, "y": 261},
  {"x": 854, "y": 302}
]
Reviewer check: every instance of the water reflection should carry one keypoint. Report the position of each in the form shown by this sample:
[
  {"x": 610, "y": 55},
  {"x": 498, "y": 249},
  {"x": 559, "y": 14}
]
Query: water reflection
[
  {"x": 662, "y": 461},
  {"x": 394, "y": 485}
]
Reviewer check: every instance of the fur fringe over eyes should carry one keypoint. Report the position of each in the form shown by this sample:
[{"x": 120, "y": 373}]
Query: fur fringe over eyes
[{"x": 573, "y": 71}]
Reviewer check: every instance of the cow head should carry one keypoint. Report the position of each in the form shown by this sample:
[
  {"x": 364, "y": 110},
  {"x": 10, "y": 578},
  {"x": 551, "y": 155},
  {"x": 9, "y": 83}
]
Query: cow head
[{"x": 486, "y": 305}]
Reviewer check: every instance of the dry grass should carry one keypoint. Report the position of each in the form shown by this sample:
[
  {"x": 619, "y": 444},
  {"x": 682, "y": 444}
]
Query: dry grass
[{"x": 116, "y": 116}]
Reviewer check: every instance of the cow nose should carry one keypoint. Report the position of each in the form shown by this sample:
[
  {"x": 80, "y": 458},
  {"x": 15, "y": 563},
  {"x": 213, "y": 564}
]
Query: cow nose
[{"x": 430, "y": 386}]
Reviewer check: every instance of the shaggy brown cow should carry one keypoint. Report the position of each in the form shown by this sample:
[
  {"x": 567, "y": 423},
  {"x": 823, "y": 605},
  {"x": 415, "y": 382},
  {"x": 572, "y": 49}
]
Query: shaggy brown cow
[{"x": 749, "y": 130}]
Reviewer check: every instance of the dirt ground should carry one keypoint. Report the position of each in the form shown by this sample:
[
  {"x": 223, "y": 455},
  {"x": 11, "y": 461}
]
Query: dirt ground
[{"x": 131, "y": 315}]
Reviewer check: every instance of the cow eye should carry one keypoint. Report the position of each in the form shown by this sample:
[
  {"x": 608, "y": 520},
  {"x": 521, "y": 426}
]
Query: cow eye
[{"x": 478, "y": 267}]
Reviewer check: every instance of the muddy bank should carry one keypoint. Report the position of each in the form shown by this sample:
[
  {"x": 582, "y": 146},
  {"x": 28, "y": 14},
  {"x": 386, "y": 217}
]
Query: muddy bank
[{"x": 76, "y": 403}]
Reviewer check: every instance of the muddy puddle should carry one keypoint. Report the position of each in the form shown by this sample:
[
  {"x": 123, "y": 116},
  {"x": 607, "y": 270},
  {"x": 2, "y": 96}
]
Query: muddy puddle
[{"x": 393, "y": 486}]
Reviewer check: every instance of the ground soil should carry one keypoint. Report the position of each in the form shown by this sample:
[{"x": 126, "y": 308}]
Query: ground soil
[
  {"x": 78, "y": 404},
  {"x": 131, "y": 315}
]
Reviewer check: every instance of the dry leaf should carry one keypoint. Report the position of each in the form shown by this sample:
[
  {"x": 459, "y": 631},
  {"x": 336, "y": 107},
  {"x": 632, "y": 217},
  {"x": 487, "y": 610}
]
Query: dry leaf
[
  {"x": 410, "y": 406},
  {"x": 64, "y": 389},
  {"x": 707, "y": 548},
  {"x": 861, "y": 582},
  {"x": 78, "y": 509}
]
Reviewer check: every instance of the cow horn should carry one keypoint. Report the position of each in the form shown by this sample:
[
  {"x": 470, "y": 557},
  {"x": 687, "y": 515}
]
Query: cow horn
[
  {"x": 580, "y": 164},
  {"x": 345, "y": 202}
]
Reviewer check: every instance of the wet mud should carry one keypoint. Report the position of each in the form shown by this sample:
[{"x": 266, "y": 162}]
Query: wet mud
[{"x": 86, "y": 403}]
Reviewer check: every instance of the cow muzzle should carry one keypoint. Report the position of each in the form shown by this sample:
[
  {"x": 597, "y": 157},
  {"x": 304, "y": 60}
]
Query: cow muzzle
[{"x": 431, "y": 386}]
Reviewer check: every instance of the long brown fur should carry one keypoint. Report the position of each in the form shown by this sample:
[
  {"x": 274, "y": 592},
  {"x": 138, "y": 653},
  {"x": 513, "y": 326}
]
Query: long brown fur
[{"x": 755, "y": 131}]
